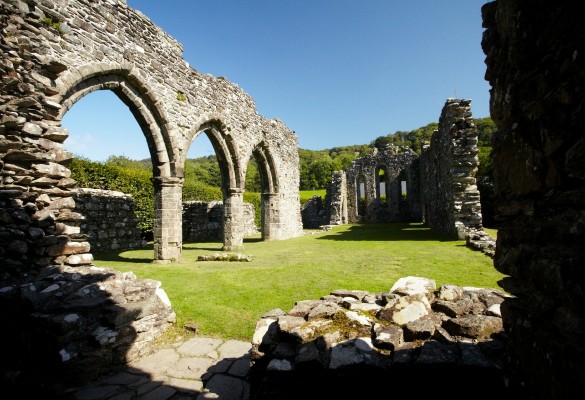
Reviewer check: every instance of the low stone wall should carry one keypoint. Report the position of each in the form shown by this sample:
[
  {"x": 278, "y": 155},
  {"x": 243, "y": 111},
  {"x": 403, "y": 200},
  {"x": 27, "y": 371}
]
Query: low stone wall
[
  {"x": 110, "y": 222},
  {"x": 203, "y": 221},
  {"x": 314, "y": 213},
  {"x": 356, "y": 344}
]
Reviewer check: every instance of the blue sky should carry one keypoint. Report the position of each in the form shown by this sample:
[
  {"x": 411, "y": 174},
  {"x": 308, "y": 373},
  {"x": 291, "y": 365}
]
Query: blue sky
[{"x": 337, "y": 72}]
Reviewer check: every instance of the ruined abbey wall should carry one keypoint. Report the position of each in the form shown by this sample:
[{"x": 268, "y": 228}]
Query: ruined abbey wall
[
  {"x": 109, "y": 220},
  {"x": 438, "y": 188},
  {"x": 52, "y": 54},
  {"x": 450, "y": 197},
  {"x": 535, "y": 59},
  {"x": 202, "y": 221},
  {"x": 399, "y": 165}
]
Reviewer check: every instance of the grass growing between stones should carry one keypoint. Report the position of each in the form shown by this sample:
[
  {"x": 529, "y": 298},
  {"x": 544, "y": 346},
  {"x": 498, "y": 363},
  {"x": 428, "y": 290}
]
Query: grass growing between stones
[{"x": 225, "y": 299}]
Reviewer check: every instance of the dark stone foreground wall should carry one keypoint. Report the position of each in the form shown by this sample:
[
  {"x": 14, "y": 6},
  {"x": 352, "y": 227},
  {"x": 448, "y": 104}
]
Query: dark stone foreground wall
[{"x": 535, "y": 56}]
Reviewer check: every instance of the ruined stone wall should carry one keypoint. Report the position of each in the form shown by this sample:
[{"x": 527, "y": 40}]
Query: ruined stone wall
[
  {"x": 450, "y": 197},
  {"x": 314, "y": 213},
  {"x": 535, "y": 59},
  {"x": 337, "y": 199},
  {"x": 400, "y": 165},
  {"x": 66, "y": 323},
  {"x": 109, "y": 220},
  {"x": 202, "y": 221},
  {"x": 52, "y": 53}
]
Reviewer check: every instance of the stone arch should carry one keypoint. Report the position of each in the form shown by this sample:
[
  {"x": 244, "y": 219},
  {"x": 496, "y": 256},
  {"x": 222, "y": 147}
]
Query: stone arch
[
  {"x": 136, "y": 96},
  {"x": 270, "y": 187},
  {"x": 266, "y": 167},
  {"x": 227, "y": 156},
  {"x": 232, "y": 179},
  {"x": 141, "y": 102}
]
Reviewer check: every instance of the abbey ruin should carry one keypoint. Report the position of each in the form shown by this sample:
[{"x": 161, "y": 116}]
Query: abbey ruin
[
  {"x": 66, "y": 318},
  {"x": 438, "y": 187},
  {"x": 53, "y": 54}
]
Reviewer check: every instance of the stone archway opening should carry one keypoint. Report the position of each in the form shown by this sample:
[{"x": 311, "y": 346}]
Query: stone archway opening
[
  {"x": 166, "y": 226},
  {"x": 106, "y": 141},
  {"x": 269, "y": 188}
]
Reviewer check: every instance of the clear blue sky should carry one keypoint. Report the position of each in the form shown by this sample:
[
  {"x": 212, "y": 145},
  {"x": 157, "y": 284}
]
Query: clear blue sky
[{"x": 337, "y": 72}]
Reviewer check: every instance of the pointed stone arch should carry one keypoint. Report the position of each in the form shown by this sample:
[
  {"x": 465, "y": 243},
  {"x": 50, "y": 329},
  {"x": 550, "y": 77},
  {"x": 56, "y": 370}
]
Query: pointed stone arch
[
  {"x": 135, "y": 94},
  {"x": 270, "y": 188},
  {"x": 171, "y": 102}
]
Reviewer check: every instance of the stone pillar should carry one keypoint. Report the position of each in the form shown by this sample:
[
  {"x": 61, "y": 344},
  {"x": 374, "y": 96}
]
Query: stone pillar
[
  {"x": 395, "y": 199},
  {"x": 270, "y": 216},
  {"x": 338, "y": 199},
  {"x": 370, "y": 194},
  {"x": 168, "y": 219},
  {"x": 233, "y": 234}
]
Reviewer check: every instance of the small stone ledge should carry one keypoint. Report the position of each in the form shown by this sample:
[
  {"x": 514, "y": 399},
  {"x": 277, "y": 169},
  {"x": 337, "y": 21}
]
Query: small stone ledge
[
  {"x": 479, "y": 240},
  {"x": 225, "y": 257},
  {"x": 358, "y": 343}
]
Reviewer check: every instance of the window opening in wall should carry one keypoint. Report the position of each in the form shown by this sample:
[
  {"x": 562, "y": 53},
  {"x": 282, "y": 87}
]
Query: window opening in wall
[
  {"x": 403, "y": 190},
  {"x": 361, "y": 195},
  {"x": 381, "y": 184}
]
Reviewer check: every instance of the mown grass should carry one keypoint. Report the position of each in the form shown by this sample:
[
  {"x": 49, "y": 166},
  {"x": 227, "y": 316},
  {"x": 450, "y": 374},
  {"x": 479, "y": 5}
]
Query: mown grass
[
  {"x": 226, "y": 299},
  {"x": 307, "y": 194}
]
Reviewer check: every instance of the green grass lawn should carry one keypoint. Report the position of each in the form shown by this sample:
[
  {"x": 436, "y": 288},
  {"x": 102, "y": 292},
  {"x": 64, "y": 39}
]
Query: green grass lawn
[
  {"x": 307, "y": 194},
  {"x": 225, "y": 299}
]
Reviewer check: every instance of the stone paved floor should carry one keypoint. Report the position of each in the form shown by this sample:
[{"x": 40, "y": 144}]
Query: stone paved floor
[{"x": 199, "y": 368}]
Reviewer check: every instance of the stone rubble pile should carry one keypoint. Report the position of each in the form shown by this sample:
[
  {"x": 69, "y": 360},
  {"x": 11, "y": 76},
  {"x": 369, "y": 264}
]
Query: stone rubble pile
[
  {"x": 225, "y": 257},
  {"x": 93, "y": 318},
  {"x": 413, "y": 325},
  {"x": 478, "y": 239}
]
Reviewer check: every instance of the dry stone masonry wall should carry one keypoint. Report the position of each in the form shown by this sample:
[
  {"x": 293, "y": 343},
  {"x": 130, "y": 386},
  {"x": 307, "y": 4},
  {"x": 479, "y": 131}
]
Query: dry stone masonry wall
[
  {"x": 438, "y": 188},
  {"x": 202, "y": 221},
  {"x": 535, "y": 59},
  {"x": 414, "y": 340},
  {"x": 109, "y": 219},
  {"x": 450, "y": 197},
  {"x": 52, "y": 54}
]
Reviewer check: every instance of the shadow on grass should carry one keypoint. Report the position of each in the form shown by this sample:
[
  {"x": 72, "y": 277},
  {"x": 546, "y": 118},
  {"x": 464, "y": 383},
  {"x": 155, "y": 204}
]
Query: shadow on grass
[
  {"x": 387, "y": 232},
  {"x": 202, "y": 246},
  {"x": 124, "y": 255}
]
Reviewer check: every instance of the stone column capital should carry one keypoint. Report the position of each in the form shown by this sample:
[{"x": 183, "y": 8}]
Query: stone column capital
[
  {"x": 235, "y": 191},
  {"x": 167, "y": 181}
]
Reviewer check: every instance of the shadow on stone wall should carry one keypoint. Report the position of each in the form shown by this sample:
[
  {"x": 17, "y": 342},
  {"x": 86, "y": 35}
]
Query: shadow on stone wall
[{"x": 51, "y": 342}]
